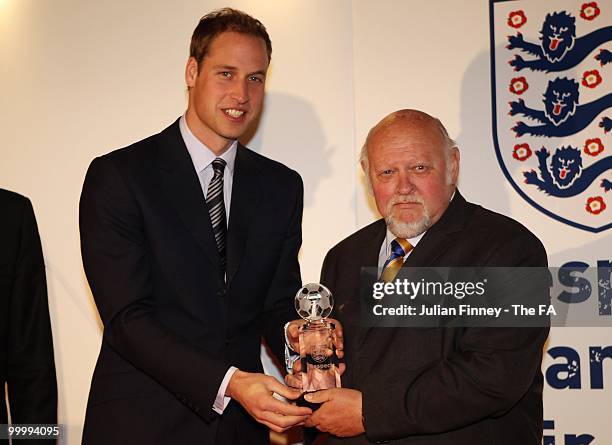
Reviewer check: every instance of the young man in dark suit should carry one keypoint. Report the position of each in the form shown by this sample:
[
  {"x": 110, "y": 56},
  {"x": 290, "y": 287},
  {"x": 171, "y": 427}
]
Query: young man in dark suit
[
  {"x": 27, "y": 366},
  {"x": 190, "y": 244},
  {"x": 433, "y": 385}
]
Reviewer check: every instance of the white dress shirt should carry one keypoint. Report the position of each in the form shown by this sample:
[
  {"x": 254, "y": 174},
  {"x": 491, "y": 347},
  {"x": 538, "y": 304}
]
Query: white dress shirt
[{"x": 202, "y": 158}]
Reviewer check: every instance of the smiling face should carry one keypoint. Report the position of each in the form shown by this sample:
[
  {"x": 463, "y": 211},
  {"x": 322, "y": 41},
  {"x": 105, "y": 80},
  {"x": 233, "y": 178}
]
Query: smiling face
[
  {"x": 226, "y": 91},
  {"x": 413, "y": 174}
]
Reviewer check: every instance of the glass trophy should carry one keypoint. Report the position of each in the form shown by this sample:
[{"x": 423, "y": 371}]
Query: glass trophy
[{"x": 314, "y": 303}]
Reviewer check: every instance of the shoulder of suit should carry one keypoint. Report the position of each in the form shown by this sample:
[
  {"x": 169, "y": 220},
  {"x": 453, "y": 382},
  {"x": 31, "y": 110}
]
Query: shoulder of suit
[
  {"x": 269, "y": 167},
  {"x": 263, "y": 161},
  {"x": 15, "y": 209},
  {"x": 497, "y": 226},
  {"x": 359, "y": 237},
  {"x": 136, "y": 152},
  {"x": 130, "y": 161},
  {"x": 11, "y": 201}
]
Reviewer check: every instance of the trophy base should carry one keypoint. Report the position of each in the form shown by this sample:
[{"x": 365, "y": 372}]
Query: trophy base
[{"x": 301, "y": 401}]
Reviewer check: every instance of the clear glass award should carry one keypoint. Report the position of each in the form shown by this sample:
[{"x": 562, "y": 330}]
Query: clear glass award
[{"x": 314, "y": 303}]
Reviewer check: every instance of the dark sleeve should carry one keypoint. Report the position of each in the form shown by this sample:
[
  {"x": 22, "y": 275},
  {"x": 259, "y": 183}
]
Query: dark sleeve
[
  {"x": 279, "y": 307},
  {"x": 328, "y": 271},
  {"x": 32, "y": 387},
  {"x": 116, "y": 259},
  {"x": 487, "y": 375}
]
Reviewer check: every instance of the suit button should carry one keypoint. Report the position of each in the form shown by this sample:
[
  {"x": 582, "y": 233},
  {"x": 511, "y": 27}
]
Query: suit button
[{"x": 221, "y": 293}]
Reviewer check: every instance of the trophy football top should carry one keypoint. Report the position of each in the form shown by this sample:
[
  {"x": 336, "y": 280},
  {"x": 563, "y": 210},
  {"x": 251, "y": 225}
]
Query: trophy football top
[{"x": 314, "y": 302}]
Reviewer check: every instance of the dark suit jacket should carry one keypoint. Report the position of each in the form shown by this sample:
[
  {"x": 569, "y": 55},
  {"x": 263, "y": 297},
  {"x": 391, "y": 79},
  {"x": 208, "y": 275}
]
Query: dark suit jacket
[
  {"x": 26, "y": 354},
  {"x": 443, "y": 385},
  {"x": 172, "y": 325}
]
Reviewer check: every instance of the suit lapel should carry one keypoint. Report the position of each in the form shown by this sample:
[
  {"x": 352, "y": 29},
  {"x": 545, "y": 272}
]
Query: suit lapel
[
  {"x": 245, "y": 198},
  {"x": 183, "y": 189},
  {"x": 438, "y": 238},
  {"x": 368, "y": 259},
  {"x": 434, "y": 243}
]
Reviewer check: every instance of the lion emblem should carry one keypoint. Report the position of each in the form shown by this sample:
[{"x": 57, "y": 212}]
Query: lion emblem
[
  {"x": 565, "y": 176},
  {"x": 562, "y": 114},
  {"x": 559, "y": 49}
]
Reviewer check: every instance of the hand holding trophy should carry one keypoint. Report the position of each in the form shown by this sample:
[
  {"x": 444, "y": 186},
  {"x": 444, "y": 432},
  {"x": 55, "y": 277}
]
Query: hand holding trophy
[{"x": 319, "y": 362}]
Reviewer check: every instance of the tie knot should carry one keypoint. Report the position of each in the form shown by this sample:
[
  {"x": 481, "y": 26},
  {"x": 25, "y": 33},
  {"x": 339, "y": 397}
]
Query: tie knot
[
  {"x": 218, "y": 166},
  {"x": 400, "y": 247}
]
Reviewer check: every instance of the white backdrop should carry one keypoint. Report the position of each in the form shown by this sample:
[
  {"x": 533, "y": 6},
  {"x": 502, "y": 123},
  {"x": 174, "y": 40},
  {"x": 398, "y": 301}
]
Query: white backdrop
[{"x": 80, "y": 78}]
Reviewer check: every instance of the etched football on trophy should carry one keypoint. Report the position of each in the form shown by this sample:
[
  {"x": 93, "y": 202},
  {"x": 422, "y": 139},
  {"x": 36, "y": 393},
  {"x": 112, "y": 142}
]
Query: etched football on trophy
[{"x": 314, "y": 302}]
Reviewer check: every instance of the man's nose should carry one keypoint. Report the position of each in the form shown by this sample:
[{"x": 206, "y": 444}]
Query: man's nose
[
  {"x": 240, "y": 91},
  {"x": 405, "y": 184}
]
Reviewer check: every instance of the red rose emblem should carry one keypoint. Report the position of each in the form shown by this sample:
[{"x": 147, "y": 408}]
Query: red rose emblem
[
  {"x": 591, "y": 79},
  {"x": 589, "y": 10},
  {"x": 516, "y": 19},
  {"x": 595, "y": 205},
  {"x": 518, "y": 85},
  {"x": 521, "y": 152},
  {"x": 593, "y": 147}
]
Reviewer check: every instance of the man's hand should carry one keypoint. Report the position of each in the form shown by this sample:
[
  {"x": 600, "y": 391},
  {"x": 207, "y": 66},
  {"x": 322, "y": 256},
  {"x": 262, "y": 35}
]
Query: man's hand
[
  {"x": 337, "y": 336},
  {"x": 340, "y": 414},
  {"x": 254, "y": 392},
  {"x": 294, "y": 379}
]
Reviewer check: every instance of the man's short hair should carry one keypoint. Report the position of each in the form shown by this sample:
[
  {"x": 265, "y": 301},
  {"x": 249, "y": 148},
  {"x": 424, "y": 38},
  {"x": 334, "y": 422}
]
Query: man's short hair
[
  {"x": 225, "y": 20},
  {"x": 407, "y": 114}
]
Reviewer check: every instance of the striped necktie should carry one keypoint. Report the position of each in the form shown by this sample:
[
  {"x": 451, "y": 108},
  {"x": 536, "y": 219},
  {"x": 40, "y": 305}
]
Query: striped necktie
[
  {"x": 216, "y": 208},
  {"x": 399, "y": 248}
]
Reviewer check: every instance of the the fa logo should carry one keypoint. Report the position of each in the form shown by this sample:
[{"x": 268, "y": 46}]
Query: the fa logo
[
  {"x": 318, "y": 353},
  {"x": 551, "y": 66}
]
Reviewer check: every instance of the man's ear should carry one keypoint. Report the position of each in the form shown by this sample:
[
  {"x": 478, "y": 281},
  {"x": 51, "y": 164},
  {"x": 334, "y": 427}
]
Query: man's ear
[
  {"x": 454, "y": 160},
  {"x": 191, "y": 72}
]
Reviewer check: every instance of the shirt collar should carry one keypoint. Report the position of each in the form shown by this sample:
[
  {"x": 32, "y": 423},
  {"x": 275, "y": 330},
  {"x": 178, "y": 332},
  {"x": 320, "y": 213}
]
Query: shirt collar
[
  {"x": 201, "y": 155},
  {"x": 413, "y": 241}
]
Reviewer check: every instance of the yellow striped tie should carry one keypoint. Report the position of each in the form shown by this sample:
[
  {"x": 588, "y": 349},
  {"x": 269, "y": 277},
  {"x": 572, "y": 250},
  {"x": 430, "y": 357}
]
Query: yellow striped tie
[{"x": 399, "y": 248}]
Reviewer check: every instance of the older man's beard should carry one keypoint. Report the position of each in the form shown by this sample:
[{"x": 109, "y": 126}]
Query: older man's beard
[{"x": 404, "y": 229}]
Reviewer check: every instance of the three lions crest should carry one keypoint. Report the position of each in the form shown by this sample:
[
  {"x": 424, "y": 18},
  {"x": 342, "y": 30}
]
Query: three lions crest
[{"x": 552, "y": 99}]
